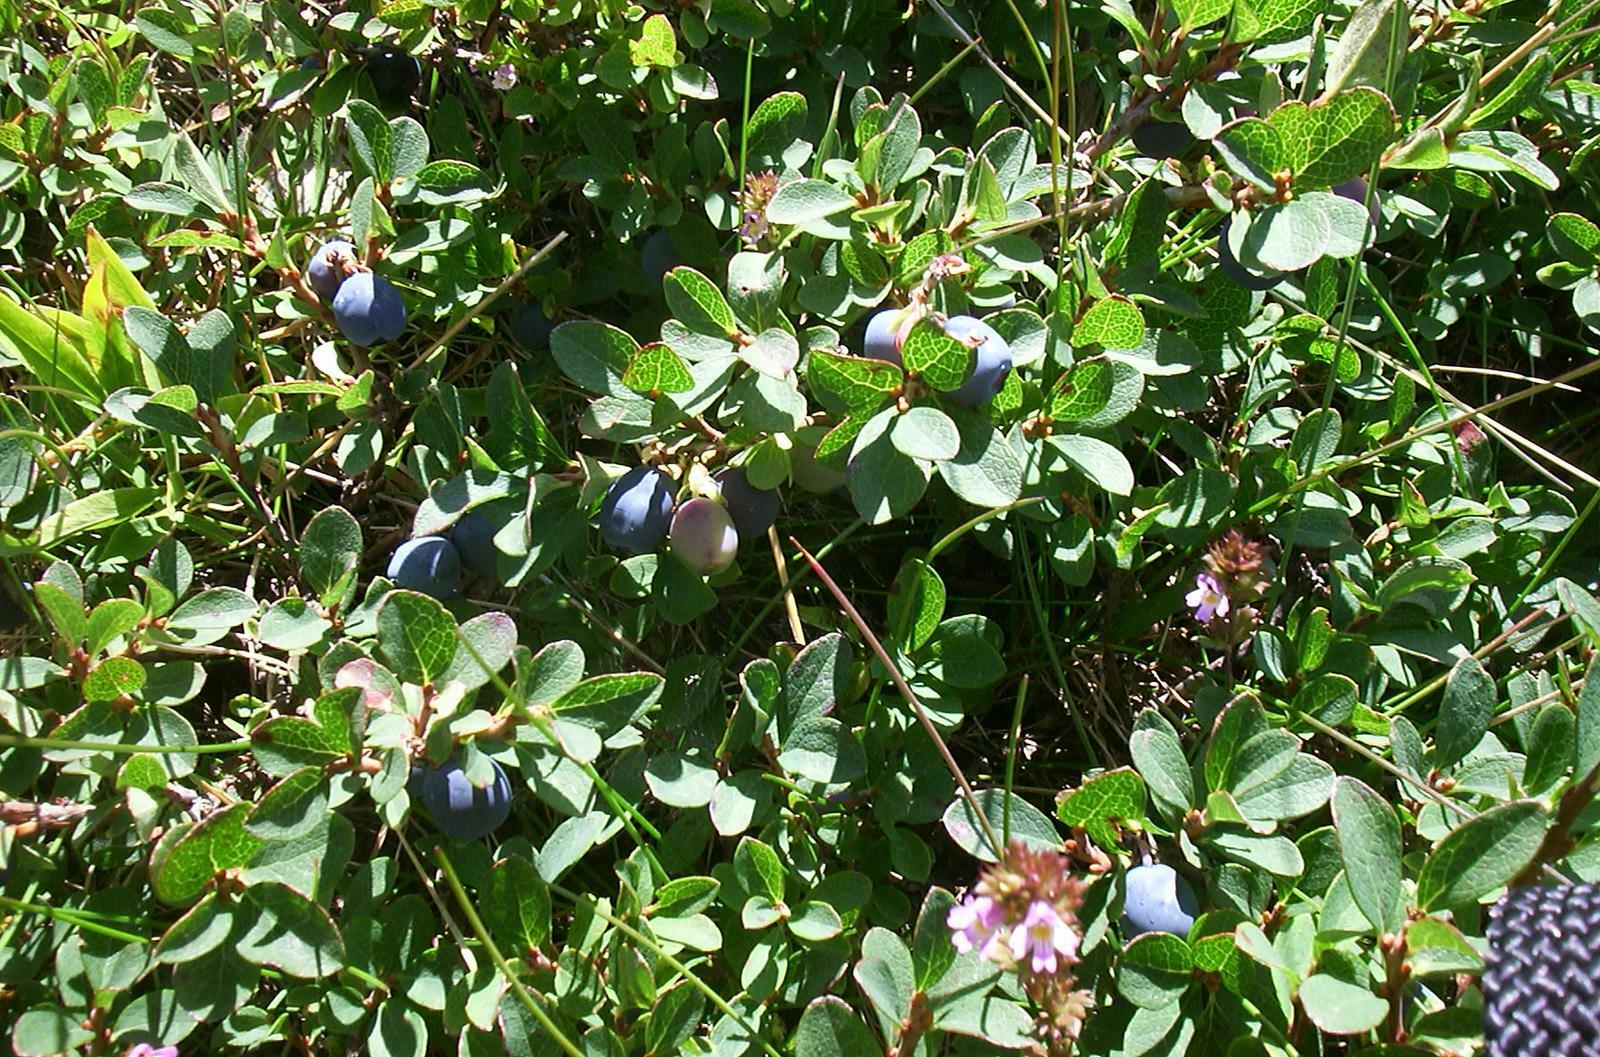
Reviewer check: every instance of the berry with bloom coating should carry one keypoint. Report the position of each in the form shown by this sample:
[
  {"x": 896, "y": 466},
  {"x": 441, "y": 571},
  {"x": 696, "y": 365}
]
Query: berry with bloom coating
[
  {"x": 460, "y": 808},
  {"x": 328, "y": 266},
  {"x": 991, "y": 360},
  {"x": 637, "y": 510},
  {"x": 1355, "y": 189},
  {"x": 658, "y": 256},
  {"x": 369, "y": 310},
  {"x": 473, "y": 537},
  {"x": 753, "y": 509},
  {"x": 530, "y": 326},
  {"x": 886, "y": 335},
  {"x": 429, "y": 564},
  {"x": 703, "y": 536},
  {"x": 1156, "y": 899}
]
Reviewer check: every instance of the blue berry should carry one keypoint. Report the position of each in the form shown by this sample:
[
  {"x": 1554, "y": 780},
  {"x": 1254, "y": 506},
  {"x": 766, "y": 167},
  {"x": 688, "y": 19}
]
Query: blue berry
[
  {"x": 396, "y": 75},
  {"x": 327, "y": 268},
  {"x": 429, "y": 564},
  {"x": 703, "y": 536},
  {"x": 461, "y": 809},
  {"x": 530, "y": 326},
  {"x": 637, "y": 510},
  {"x": 753, "y": 509},
  {"x": 991, "y": 362},
  {"x": 1156, "y": 899},
  {"x": 886, "y": 335},
  {"x": 369, "y": 310},
  {"x": 473, "y": 537},
  {"x": 658, "y": 256}
]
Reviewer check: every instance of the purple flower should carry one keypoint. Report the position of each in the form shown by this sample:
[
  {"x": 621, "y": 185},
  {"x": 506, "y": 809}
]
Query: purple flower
[
  {"x": 1041, "y": 937},
  {"x": 504, "y": 77},
  {"x": 144, "y": 1049},
  {"x": 1208, "y": 599},
  {"x": 974, "y": 922}
]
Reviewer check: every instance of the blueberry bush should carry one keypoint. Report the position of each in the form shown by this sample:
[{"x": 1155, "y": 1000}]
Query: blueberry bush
[{"x": 791, "y": 527}]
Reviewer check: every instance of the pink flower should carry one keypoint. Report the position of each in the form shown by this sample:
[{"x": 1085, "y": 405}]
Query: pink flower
[
  {"x": 974, "y": 922},
  {"x": 1041, "y": 937},
  {"x": 144, "y": 1049},
  {"x": 1208, "y": 599}
]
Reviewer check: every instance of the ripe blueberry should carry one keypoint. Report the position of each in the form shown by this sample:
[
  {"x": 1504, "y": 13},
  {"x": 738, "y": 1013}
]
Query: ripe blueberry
[
  {"x": 369, "y": 310},
  {"x": 327, "y": 268},
  {"x": 461, "y": 809},
  {"x": 1237, "y": 272},
  {"x": 753, "y": 509},
  {"x": 530, "y": 326},
  {"x": 396, "y": 75},
  {"x": 1162, "y": 139},
  {"x": 992, "y": 360},
  {"x": 1156, "y": 899},
  {"x": 429, "y": 564},
  {"x": 637, "y": 510},
  {"x": 658, "y": 256},
  {"x": 703, "y": 536},
  {"x": 886, "y": 335},
  {"x": 473, "y": 537}
]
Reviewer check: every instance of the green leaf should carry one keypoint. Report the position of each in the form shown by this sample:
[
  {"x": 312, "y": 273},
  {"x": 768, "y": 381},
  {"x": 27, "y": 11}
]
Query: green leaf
[
  {"x": 1095, "y": 459},
  {"x": 1502, "y": 152},
  {"x": 1469, "y": 700},
  {"x": 48, "y": 1030},
  {"x": 112, "y": 678},
  {"x": 814, "y": 921},
  {"x": 1159, "y": 758},
  {"x": 805, "y": 201},
  {"x": 778, "y": 122},
  {"x": 822, "y": 749},
  {"x": 759, "y": 868},
  {"x": 697, "y": 303},
  {"x": 986, "y": 471},
  {"x": 1335, "y": 139},
  {"x": 1105, "y": 804},
  {"x": 289, "y": 932},
  {"x": 851, "y": 382},
  {"x": 656, "y": 45},
  {"x": 1254, "y": 150},
  {"x": 1372, "y": 48},
  {"x": 516, "y": 905},
  {"x": 942, "y": 360},
  {"x": 1155, "y": 970},
  {"x": 1113, "y": 323},
  {"x": 183, "y": 869},
  {"x": 330, "y": 553},
  {"x": 371, "y": 138},
  {"x": 1195, "y": 13},
  {"x": 1026, "y": 823},
  {"x": 1341, "y": 1008},
  {"x": 1480, "y": 855},
  {"x": 916, "y": 603},
  {"x": 416, "y": 635},
  {"x": 830, "y": 1028},
  {"x": 1588, "y": 729},
  {"x": 1084, "y": 392},
  {"x": 1370, "y": 847},
  {"x": 656, "y": 369},
  {"x": 925, "y": 433}
]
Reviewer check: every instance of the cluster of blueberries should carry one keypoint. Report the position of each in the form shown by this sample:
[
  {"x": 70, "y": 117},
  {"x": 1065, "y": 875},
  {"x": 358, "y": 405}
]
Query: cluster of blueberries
[
  {"x": 886, "y": 337},
  {"x": 366, "y": 306},
  {"x": 434, "y": 565},
  {"x": 641, "y": 510},
  {"x": 459, "y": 808}
]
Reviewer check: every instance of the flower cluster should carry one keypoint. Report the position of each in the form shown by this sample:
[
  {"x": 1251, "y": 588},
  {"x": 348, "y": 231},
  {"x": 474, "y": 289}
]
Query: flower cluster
[
  {"x": 1023, "y": 915},
  {"x": 1235, "y": 577},
  {"x": 144, "y": 1049},
  {"x": 758, "y": 191}
]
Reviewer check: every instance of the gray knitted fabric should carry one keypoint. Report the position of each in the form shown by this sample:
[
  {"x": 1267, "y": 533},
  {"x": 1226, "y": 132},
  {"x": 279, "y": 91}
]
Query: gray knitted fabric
[{"x": 1542, "y": 977}]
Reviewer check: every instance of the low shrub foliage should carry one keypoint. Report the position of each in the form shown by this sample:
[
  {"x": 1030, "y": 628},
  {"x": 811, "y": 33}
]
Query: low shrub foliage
[{"x": 790, "y": 527}]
